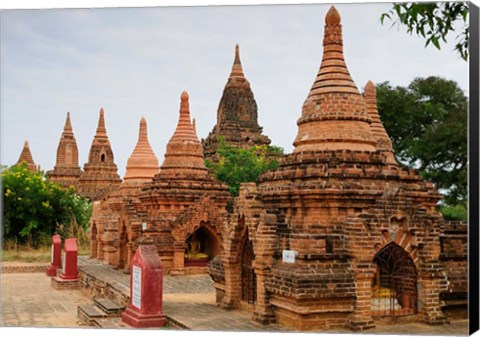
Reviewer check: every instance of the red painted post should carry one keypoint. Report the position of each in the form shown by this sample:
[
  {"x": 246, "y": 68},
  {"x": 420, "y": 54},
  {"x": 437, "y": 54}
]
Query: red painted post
[
  {"x": 56, "y": 262},
  {"x": 70, "y": 267},
  {"x": 146, "y": 290}
]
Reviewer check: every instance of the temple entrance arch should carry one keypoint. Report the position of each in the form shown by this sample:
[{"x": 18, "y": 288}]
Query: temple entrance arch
[
  {"x": 394, "y": 286},
  {"x": 200, "y": 247},
  {"x": 249, "y": 279}
]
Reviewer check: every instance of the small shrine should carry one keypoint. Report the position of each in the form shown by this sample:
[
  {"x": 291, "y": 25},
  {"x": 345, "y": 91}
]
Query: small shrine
[
  {"x": 116, "y": 224},
  {"x": 66, "y": 171},
  {"x": 184, "y": 205},
  {"x": 99, "y": 175}
]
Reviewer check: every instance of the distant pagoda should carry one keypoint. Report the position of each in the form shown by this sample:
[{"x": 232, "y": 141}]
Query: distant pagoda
[
  {"x": 99, "y": 175},
  {"x": 66, "y": 171},
  {"x": 26, "y": 157},
  {"x": 237, "y": 115}
]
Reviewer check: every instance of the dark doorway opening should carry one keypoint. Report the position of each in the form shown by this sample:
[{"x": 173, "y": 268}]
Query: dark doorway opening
[
  {"x": 249, "y": 279},
  {"x": 394, "y": 286}
]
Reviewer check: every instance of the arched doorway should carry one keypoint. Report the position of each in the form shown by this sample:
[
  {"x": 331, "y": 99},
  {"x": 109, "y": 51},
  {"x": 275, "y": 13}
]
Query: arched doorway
[
  {"x": 200, "y": 247},
  {"x": 249, "y": 279},
  {"x": 394, "y": 287}
]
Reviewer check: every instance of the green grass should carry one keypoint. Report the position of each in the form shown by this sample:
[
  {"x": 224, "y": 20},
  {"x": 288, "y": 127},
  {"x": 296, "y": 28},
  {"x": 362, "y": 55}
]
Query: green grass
[{"x": 25, "y": 253}]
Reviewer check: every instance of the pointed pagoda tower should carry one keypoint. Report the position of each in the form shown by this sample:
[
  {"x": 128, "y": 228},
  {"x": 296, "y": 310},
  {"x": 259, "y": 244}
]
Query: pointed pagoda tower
[
  {"x": 334, "y": 115},
  {"x": 26, "y": 157},
  {"x": 142, "y": 165},
  {"x": 66, "y": 171},
  {"x": 344, "y": 213},
  {"x": 183, "y": 197},
  {"x": 237, "y": 114},
  {"x": 384, "y": 143},
  {"x": 99, "y": 174}
]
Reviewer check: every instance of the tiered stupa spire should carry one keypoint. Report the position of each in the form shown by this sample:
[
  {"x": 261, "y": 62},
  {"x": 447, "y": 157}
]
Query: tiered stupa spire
[
  {"x": 142, "y": 165},
  {"x": 26, "y": 156},
  {"x": 66, "y": 171},
  {"x": 334, "y": 115},
  {"x": 184, "y": 154},
  {"x": 67, "y": 152},
  {"x": 384, "y": 143},
  {"x": 237, "y": 115},
  {"x": 100, "y": 173}
]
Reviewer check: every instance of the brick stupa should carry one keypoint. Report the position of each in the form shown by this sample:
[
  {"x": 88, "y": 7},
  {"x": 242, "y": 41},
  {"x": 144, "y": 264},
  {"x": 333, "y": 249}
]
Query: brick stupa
[
  {"x": 334, "y": 115},
  {"x": 184, "y": 198},
  {"x": 237, "y": 115},
  {"x": 142, "y": 165},
  {"x": 384, "y": 143},
  {"x": 26, "y": 157},
  {"x": 99, "y": 174},
  {"x": 66, "y": 171},
  {"x": 315, "y": 244},
  {"x": 116, "y": 220}
]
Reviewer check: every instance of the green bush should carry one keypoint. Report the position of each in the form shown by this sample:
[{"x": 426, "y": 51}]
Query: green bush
[
  {"x": 237, "y": 165},
  {"x": 36, "y": 208},
  {"x": 458, "y": 212}
]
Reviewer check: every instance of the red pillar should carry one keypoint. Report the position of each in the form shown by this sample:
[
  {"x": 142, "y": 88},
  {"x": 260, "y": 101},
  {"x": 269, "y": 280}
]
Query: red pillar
[
  {"x": 70, "y": 267},
  {"x": 56, "y": 255},
  {"x": 146, "y": 290}
]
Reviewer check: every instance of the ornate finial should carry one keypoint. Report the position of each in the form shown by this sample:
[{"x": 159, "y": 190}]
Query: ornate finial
[
  {"x": 333, "y": 28},
  {"x": 370, "y": 89},
  {"x": 101, "y": 130},
  {"x": 184, "y": 97},
  {"x": 237, "y": 70},
  {"x": 332, "y": 17},
  {"x": 237, "y": 54},
  {"x": 143, "y": 127},
  {"x": 68, "y": 124}
]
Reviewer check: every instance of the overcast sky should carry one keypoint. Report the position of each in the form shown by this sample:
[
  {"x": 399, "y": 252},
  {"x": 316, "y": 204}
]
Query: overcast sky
[{"x": 135, "y": 62}]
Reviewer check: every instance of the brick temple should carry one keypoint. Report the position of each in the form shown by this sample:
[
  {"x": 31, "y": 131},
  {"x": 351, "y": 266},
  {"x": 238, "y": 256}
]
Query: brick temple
[
  {"x": 180, "y": 207},
  {"x": 339, "y": 235},
  {"x": 66, "y": 171},
  {"x": 237, "y": 115}
]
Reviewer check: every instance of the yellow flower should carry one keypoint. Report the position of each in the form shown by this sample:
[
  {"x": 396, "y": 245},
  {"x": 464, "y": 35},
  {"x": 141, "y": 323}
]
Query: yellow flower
[
  {"x": 19, "y": 198},
  {"x": 27, "y": 189},
  {"x": 46, "y": 204}
]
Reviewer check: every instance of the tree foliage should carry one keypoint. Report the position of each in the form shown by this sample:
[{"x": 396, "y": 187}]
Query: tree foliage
[
  {"x": 433, "y": 21},
  {"x": 236, "y": 165},
  {"x": 35, "y": 208},
  {"x": 427, "y": 122}
]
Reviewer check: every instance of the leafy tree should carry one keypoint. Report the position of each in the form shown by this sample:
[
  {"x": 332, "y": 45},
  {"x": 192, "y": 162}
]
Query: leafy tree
[
  {"x": 36, "y": 208},
  {"x": 427, "y": 122},
  {"x": 433, "y": 21},
  {"x": 236, "y": 165}
]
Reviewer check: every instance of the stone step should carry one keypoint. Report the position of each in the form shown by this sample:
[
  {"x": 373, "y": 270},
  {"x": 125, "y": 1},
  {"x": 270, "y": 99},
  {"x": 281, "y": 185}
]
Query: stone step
[
  {"x": 87, "y": 313},
  {"x": 110, "y": 323},
  {"x": 110, "y": 307}
]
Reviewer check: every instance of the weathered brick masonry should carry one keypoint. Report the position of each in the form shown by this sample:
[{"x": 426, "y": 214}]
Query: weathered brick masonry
[{"x": 360, "y": 224}]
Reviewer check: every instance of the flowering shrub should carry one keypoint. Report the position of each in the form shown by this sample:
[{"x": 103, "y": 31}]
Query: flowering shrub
[{"x": 34, "y": 208}]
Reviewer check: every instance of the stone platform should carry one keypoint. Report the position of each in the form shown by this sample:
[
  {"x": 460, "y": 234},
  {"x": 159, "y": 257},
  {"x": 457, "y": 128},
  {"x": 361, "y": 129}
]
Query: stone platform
[{"x": 188, "y": 301}]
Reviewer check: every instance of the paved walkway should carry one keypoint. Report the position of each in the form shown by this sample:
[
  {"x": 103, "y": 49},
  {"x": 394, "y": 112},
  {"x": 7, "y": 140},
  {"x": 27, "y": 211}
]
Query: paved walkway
[{"x": 27, "y": 299}]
